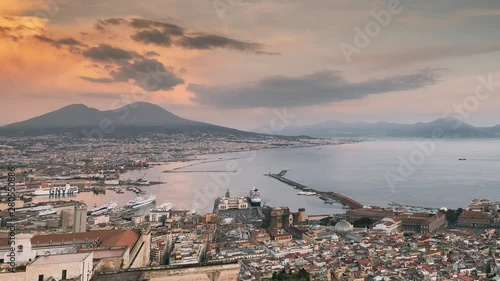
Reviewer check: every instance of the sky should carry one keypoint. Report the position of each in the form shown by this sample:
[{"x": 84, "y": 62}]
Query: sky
[{"x": 238, "y": 62}]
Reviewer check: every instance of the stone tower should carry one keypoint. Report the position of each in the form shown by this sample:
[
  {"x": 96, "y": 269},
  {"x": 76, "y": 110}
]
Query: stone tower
[{"x": 80, "y": 222}]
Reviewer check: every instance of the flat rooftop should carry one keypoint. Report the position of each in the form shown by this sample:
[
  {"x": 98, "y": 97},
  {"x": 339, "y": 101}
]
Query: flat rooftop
[
  {"x": 53, "y": 259},
  {"x": 101, "y": 254}
]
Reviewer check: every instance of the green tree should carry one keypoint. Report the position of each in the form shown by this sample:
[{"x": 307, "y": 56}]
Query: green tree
[
  {"x": 300, "y": 275},
  {"x": 363, "y": 222}
]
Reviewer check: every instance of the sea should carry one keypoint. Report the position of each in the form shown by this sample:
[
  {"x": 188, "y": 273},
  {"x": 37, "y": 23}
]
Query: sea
[{"x": 374, "y": 172}]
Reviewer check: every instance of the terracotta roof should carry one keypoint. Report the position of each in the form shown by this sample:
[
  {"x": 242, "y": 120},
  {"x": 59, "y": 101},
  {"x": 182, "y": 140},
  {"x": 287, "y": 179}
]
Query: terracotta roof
[{"x": 108, "y": 238}]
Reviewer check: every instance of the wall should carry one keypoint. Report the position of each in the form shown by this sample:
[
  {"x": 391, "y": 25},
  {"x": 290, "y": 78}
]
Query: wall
[
  {"x": 17, "y": 276},
  {"x": 227, "y": 272}
]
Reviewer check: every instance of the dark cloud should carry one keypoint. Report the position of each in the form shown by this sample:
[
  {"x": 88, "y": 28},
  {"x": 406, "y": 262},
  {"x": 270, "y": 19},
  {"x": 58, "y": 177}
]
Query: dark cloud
[
  {"x": 70, "y": 43},
  {"x": 313, "y": 89},
  {"x": 67, "y": 41},
  {"x": 153, "y": 36},
  {"x": 208, "y": 41},
  {"x": 267, "y": 53},
  {"x": 4, "y": 29},
  {"x": 149, "y": 74},
  {"x": 105, "y": 52},
  {"x": 168, "y": 28},
  {"x": 102, "y": 23},
  {"x": 165, "y": 34},
  {"x": 97, "y": 80},
  {"x": 151, "y": 54}
]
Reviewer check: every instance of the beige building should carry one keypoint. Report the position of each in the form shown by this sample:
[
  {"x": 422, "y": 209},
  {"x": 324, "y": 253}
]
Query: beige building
[{"x": 127, "y": 248}]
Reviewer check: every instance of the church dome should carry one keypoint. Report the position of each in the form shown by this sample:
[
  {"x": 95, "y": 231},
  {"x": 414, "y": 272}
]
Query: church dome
[{"x": 343, "y": 226}]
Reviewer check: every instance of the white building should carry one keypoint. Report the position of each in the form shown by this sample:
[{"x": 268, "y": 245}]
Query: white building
[
  {"x": 389, "y": 225},
  {"x": 156, "y": 216},
  {"x": 233, "y": 203},
  {"x": 58, "y": 267},
  {"x": 99, "y": 219},
  {"x": 23, "y": 252}
]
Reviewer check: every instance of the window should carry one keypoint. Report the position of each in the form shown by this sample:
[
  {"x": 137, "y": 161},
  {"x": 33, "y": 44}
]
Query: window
[
  {"x": 40, "y": 277},
  {"x": 64, "y": 273},
  {"x": 20, "y": 248}
]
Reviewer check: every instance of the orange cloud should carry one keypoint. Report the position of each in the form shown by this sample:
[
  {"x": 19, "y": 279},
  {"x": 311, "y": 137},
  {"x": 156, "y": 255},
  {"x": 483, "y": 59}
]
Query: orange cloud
[{"x": 16, "y": 7}]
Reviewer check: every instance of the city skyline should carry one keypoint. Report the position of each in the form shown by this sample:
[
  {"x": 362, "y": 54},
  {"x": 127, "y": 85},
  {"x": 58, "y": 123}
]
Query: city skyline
[{"x": 244, "y": 59}]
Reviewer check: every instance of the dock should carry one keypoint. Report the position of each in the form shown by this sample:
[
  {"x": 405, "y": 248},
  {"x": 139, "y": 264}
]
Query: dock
[{"x": 326, "y": 196}]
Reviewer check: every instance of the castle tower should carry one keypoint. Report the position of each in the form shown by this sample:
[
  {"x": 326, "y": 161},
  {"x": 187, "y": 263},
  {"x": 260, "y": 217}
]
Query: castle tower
[
  {"x": 302, "y": 215},
  {"x": 80, "y": 221}
]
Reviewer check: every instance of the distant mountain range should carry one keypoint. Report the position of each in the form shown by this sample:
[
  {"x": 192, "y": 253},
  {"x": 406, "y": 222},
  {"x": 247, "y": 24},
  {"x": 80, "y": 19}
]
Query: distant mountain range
[
  {"x": 443, "y": 128},
  {"x": 144, "y": 118},
  {"x": 132, "y": 119}
]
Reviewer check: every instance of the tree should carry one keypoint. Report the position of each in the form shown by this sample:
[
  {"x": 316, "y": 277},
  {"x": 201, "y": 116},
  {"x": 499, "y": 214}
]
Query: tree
[
  {"x": 363, "y": 222},
  {"x": 300, "y": 275}
]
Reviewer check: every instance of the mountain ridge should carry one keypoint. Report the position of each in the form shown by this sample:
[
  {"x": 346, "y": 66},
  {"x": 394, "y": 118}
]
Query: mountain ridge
[
  {"x": 449, "y": 127},
  {"x": 131, "y": 119}
]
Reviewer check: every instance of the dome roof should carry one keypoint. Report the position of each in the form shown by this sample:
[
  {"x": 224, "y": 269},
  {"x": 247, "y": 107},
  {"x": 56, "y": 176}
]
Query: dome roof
[{"x": 343, "y": 226}]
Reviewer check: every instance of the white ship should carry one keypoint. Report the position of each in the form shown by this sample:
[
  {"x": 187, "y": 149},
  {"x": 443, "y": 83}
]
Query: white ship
[
  {"x": 99, "y": 210},
  {"x": 140, "y": 201},
  {"x": 255, "y": 199},
  {"x": 165, "y": 207},
  {"x": 111, "y": 182},
  {"x": 306, "y": 193},
  {"x": 48, "y": 211},
  {"x": 56, "y": 190}
]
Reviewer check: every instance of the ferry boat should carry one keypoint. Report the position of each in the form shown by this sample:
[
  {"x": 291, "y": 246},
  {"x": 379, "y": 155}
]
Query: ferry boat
[
  {"x": 99, "y": 210},
  {"x": 48, "y": 211},
  {"x": 111, "y": 182},
  {"x": 165, "y": 207},
  {"x": 306, "y": 193},
  {"x": 255, "y": 199},
  {"x": 56, "y": 190},
  {"x": 140, "y": 201},
  {"x": 142, "y": 182}
]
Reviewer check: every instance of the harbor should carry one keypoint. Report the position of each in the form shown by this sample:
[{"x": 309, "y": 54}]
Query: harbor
[{"x": 327, "y": 196}]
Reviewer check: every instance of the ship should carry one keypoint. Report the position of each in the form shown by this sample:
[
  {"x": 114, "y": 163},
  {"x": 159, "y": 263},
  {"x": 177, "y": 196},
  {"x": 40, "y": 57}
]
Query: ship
[
  {"x": 255, "y": 199},
  {"x": 306, "y": 193},
  {"x": 99, "y": 210},
  {"x": 111, "y": 182},
  {"x": 140, "y": 201},
  {"x": 165, "y": 207},
  {"x": 47, "y": 211},
  {"x": 56, "y": 190}
]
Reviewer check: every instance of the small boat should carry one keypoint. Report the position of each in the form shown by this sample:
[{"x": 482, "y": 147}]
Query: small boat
[
  {"x": 462, "y": 159},
  {"x": 306, "y": 193}
]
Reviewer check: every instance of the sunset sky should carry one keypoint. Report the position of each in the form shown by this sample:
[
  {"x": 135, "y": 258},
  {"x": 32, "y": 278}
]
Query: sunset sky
[{"x": 231, "y": 62}]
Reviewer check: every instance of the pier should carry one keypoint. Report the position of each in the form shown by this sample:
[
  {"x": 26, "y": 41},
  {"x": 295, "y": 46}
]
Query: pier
[{"x": 326, "y": 196}]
